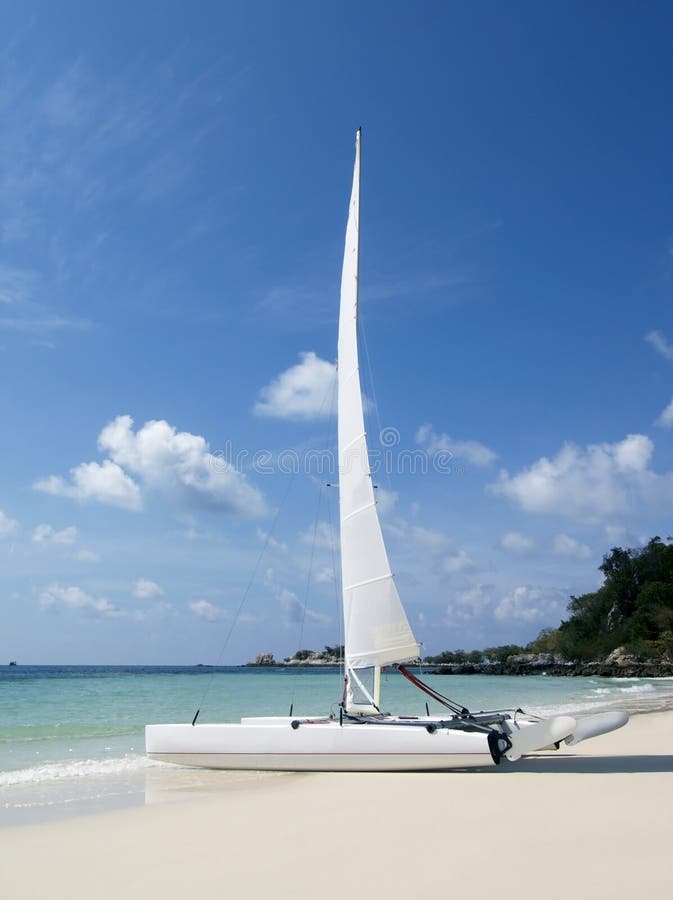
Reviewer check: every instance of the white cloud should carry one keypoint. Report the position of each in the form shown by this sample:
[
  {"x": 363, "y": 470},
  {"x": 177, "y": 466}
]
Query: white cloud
[
  {"x": 8, "y": 526},
  {"x": 144, "y": 589},
  {"x": 85, "y": 556},
  {"x": 417, "y": 537},
  {"x": 74, "y": 597},
  {"x": 104, "y": 483},
  {"x": 270, "y": 543},
  {"x": 293, "y": 611},
  {"x": 530, "y": 604},
  {"x": 179, "y": 464},
  {"x": 208, "y": 611},
  {"x": 386, "y": 501},
  {"x": 567, "y": 546},
  {"x": 657, "y": 340},
  {"x": 665, "y": 419},
  {"x": 325, "y": 576},
  {"x": 590, "y": 484},
  {"x": 516, "y": 543},
  {"x": 618, "y": 534},
  {"x": 291, "y": 607},
  {"x": 458, "y": 562},
  {"x": 45, "y": 534},
  {"x": 16, "y": 285},
  {"x": 303, "y": 392},
  {"x": 471, "y": 602},
  {"x": 320, "y": 535},
  {"x": 472, "y": 451}
]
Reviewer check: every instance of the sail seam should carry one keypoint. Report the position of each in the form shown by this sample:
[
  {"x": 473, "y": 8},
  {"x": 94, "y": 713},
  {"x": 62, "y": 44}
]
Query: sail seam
[
  {"x": 351, "y": 587},
  {"x": 358, "y": 510},
  {"x": 352, "y": 443},
  {"x": 350, "y": 375}
]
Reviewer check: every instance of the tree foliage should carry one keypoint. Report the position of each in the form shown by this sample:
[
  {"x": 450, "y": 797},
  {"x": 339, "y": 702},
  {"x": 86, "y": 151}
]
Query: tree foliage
[{"x": 633, "y": 608}]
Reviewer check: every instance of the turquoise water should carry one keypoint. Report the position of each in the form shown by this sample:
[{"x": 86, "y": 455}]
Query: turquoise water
[{"x": 73, "y": 732}]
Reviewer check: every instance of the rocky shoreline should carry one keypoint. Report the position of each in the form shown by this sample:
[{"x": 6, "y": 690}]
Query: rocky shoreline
[
  {"x": 635, "y": 669},
  {"x": 617, "y": 665}
]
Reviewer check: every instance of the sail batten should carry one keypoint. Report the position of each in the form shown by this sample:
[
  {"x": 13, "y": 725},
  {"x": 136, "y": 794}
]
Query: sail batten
[{"x": 377, "y": 631}]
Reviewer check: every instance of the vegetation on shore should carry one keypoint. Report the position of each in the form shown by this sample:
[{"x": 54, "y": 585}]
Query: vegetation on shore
[{"x": 632, "y": 612}]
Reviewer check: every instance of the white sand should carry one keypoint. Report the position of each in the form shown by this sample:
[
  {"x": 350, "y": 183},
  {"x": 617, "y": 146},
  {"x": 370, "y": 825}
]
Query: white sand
[{"x": 596, "y": 822}]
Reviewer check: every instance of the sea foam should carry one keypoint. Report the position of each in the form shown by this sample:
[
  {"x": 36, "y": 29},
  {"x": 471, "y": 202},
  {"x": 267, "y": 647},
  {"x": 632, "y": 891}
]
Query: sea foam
[{"x": 74, "y": 769}]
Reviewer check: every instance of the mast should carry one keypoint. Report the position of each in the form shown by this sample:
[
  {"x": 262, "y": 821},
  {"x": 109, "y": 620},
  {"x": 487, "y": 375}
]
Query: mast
[{"x": 376, "y": 629}]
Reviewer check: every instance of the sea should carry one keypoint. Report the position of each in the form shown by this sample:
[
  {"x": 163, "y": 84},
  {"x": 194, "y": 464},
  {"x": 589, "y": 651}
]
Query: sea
[{"x": 71, "y": 737}]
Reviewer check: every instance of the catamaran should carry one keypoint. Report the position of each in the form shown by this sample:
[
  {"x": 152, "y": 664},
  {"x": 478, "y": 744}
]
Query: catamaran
[{"x": 377, "y": 634}]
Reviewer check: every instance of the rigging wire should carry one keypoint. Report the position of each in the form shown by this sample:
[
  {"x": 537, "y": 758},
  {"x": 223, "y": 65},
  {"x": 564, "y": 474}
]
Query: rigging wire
[
  {"x": 308, "y": 589},
  {"x": 246, "y": 592},
  {"x": 455, "y": 708},
  {"x": 328, "y": 404},
  {"x": 333, "y": 545}
]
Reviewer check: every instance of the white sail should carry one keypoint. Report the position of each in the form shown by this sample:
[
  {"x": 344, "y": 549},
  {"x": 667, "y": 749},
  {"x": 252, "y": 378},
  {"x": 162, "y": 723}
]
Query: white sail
[
  {"x": 377, "y": 631},
  {"x": 377, "y": 634}
]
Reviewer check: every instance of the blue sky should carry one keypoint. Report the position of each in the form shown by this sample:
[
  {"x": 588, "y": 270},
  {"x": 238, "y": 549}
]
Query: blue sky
[{"x": 173, "y": 195}]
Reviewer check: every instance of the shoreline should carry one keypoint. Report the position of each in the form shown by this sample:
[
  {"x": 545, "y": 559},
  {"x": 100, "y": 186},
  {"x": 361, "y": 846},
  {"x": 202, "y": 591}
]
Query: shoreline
[{"x": 563, "y": 817}]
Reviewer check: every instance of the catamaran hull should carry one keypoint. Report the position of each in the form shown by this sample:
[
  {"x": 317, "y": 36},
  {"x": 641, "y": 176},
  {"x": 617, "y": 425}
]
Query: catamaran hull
[
  {"x": 323, "y": 747},
  {"x": 274, "y": 744}
]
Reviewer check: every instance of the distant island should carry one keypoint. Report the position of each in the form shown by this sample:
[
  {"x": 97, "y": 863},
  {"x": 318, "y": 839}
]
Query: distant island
[
  {"x": 624, "y": 629},
  {"x": 330, "y": 656}
]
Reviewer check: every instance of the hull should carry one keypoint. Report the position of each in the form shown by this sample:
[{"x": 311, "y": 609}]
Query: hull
[{"x": 324, "y": 746}]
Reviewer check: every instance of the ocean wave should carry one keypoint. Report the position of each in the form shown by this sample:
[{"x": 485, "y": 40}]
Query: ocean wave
[
  {"x": 74, "y": 769},
  {"x": 638, "y": 689}
]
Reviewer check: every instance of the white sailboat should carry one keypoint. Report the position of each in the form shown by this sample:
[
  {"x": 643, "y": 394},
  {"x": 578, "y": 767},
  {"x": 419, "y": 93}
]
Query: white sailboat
[{"x": 377, "y": 633}]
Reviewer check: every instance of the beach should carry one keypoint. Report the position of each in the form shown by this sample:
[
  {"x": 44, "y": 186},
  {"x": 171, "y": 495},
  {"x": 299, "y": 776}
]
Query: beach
[{"x": 592, "y": 821}]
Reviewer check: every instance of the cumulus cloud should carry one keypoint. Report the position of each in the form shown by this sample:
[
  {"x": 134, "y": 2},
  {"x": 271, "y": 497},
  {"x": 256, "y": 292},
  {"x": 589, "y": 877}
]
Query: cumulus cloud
[
  {"x": 180, "y": 464},
  {"x": 208, "y": 611},
  {"x": 657, "y": 340},
  {"x": 8, "y": 526},
  {"x": 417, "y": 537},
  {"x": 325, "y": 575},
  {"x": 144, "y": 589},
  {"x": 665, "y": 419},
  {"x": 458, "y": 562},
  {"x": 45, "y": 534},
  {"x": 104, "y": 483},
  {"x": 85, "y": 556},
  {"x": 590, "y": 484},
  {"x": 531, "y": 604},
  {"x": 514, "y": 542},
  {"x": 74, "y": 598},
  {"x": 301, "y": 393},
  {"x": 386, "y": 501},
  {"x": 564, "y": 545},
  {"x": 472, "y": 451},
  {"x": 291, "y": 608},
  {"x": 293, "y": 611},
  {"x": 320, "y": 535},
  {"x": 177, "y": 464},
  {"x": 471, "y": 602}
]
